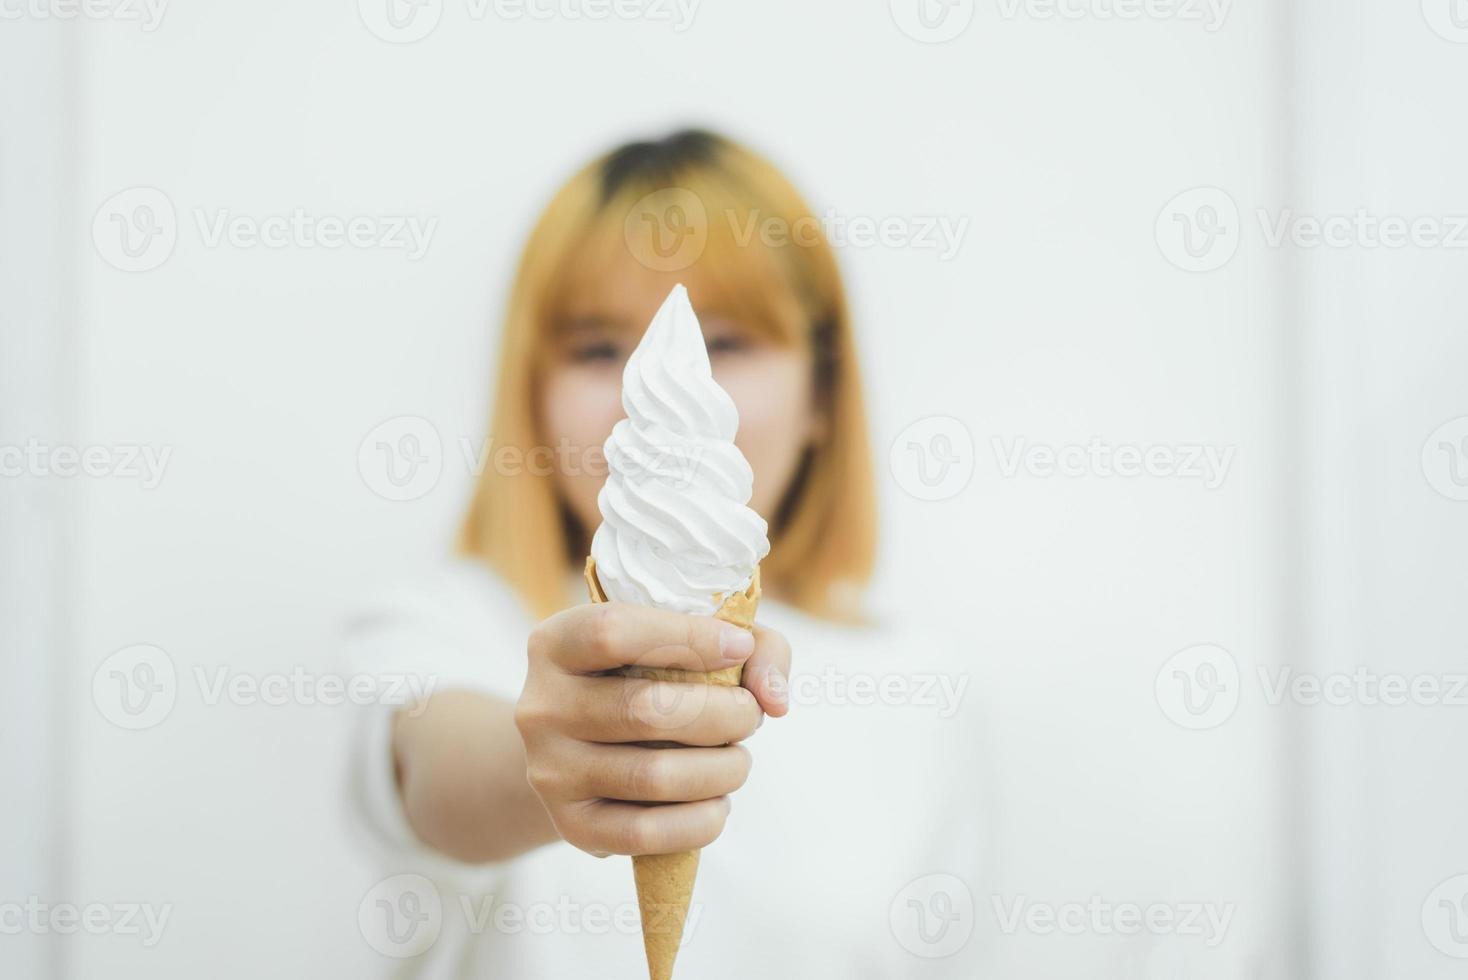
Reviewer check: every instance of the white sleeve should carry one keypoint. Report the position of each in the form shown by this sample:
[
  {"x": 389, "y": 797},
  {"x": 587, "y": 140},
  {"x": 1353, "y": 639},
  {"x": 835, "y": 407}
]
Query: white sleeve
[{"x": 460, "y": 628}]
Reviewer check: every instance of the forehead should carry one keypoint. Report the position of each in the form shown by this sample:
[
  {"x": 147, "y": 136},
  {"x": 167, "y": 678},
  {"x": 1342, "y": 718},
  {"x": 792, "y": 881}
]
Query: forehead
[
  {"x": 618, "y": 290},
  {"x": 619, "y": 293},
  {"x": 602, "y": 282}
]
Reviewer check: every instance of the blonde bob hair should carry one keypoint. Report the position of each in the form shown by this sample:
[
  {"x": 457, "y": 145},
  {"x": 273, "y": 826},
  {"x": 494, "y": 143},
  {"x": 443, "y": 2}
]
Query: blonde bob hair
[{"x": 693, "y": 201}]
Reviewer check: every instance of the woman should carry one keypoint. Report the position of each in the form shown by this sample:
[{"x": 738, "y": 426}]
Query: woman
[{"x": 526, "y": 759}]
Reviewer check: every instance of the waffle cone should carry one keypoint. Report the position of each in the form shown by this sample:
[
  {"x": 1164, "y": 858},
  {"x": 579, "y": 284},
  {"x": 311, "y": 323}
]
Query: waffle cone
[{"x": 665, "y": 881}]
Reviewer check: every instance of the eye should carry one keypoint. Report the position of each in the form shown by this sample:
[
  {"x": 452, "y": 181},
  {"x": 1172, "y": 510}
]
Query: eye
[
  {"x": 592, "y": 352},
  {"x": 726, "y": 343},
  {"x": 724, "y": 335}
]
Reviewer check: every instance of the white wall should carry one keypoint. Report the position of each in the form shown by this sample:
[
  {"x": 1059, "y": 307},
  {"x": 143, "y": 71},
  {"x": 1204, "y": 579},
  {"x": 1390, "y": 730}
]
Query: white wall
[
  {"x": 37, "y": 372},
  {"x": 1385, "y": 343},
  {"x": 1063, "y": 318}
]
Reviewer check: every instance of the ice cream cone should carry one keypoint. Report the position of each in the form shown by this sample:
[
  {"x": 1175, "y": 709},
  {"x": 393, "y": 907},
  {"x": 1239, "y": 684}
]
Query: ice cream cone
[{"x": 665, "y": 881}]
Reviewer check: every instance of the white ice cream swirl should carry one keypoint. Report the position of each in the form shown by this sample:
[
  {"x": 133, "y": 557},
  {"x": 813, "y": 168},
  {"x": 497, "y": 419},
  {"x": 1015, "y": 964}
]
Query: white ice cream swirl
[{"x": 676, "y": 530}]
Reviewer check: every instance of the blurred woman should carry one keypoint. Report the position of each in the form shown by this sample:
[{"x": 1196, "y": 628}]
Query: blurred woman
[{"x": 528, "y": 758}]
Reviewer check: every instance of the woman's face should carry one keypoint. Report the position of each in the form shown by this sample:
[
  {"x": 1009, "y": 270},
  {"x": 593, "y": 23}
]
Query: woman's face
[{"x": 581, "y": 388}]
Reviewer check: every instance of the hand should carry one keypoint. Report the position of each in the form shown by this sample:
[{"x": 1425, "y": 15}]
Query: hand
[{"x": 581, "y": 725}]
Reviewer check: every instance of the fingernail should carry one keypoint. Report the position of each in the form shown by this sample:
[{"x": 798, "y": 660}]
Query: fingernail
[{"x": 735, "y": 644}]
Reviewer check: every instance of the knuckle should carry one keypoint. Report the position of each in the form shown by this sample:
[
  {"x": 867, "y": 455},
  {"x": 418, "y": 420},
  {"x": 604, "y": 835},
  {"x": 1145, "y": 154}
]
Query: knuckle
[
  {"x": 651, "y": 775},
  {"x": 538, "y": 643},
  {"x": 530, "y": 715},
  {"x": 643, "y": 833},
  {"x": 711, "y": 826},
  {"x": 579, "y": 837},
  {"x": 696, "y": 637},
  {"x": 743, "y": 765},
  {"x": 780, "y": 647},
  {"x": 639, "y": 703},
  {"x": 603, "y": 627},
  {"x": 542, "y": 778},
  {"x": 578, "y": 828},
  {"x": 745, "y": 716}
]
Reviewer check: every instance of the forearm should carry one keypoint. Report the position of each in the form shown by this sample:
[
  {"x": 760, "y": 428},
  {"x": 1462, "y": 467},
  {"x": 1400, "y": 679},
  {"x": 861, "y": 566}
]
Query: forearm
[{"x": 461, "y": 773}]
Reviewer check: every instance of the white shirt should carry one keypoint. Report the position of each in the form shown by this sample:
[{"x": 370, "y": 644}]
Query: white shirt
[{"x": 853, "y": 850}]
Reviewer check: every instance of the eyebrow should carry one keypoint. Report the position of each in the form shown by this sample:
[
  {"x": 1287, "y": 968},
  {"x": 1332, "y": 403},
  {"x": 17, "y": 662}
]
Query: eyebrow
[{"x": 587, "y": 323}]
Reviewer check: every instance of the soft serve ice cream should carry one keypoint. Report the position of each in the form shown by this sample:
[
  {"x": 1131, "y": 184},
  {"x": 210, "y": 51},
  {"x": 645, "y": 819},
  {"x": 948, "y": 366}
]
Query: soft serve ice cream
[{"x": 677, "y": 532}]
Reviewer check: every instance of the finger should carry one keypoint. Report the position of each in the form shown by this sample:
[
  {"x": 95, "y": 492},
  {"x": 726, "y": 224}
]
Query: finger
[
  {"x": 642, "y": 775},
  {"x": 614, "y": 827},
  {"x": 767, "y": 672},
  {"x": 630, "y": 709},
  {"x": 601, "y": 636}
]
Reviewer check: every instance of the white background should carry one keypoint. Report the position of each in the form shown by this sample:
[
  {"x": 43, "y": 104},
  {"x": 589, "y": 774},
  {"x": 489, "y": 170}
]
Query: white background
[{"x": 1064, "y": 317}]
